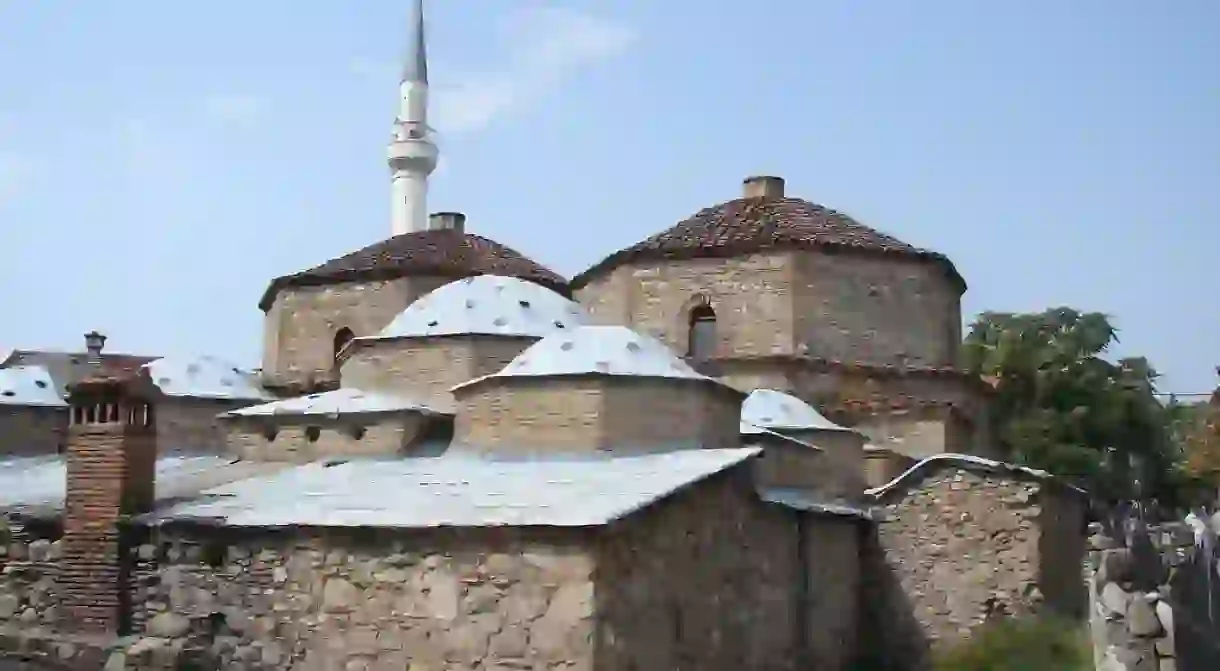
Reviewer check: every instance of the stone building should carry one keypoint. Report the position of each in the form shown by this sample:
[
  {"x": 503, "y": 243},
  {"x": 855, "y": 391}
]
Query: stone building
[{"x": 742, "y": 443}]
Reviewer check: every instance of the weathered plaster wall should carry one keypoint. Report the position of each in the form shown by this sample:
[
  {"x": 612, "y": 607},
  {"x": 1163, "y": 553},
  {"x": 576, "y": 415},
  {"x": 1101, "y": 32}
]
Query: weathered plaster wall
[
  {"x": 302, "y": 439},
  {"x": 428, "y": 367},
  {"x": 300, "y": 326},
  {"x": 706, "y": 581},
  {"x": 32, "y": 431},
  {"x": 596, "y": 412}
]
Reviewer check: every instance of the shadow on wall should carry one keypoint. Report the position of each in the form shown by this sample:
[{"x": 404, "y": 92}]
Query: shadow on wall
[
  {"x": 1196, "y": 632},
  {"x": 891, "y": 639}
]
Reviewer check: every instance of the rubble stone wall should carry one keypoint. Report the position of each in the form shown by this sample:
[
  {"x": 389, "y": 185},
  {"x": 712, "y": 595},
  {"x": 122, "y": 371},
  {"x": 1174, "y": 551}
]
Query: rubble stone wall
[{"x": 29, "y": 558}]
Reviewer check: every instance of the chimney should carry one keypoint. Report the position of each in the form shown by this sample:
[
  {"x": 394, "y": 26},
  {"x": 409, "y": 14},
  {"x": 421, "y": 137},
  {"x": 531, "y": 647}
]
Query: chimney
[
  {"x": 94, "y": 342},
  {"x": 111, "y": 461},
  {"x": 763, "y": 187},
  {"x": 453, "y": 221}
]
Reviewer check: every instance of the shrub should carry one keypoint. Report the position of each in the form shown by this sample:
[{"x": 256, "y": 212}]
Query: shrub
[{"x": 1028, "y": 644}]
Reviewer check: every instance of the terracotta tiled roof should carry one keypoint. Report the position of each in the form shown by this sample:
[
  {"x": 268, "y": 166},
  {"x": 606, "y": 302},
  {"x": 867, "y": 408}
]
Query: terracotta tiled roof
[
  {"x": 439, "y": 252},
  {"x": 748, "y": 225}
]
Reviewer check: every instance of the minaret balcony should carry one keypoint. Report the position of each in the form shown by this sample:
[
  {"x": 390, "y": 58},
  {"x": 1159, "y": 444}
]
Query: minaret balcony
[{"x": 418, "y": 154}]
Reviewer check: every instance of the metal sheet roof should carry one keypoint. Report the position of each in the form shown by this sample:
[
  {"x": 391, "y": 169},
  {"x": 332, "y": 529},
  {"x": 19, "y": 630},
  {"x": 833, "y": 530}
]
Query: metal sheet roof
[
  {"x": 36, "y": 485},
  {"x": 773, "y": 409},
  {"x": 808, "y": 502},
  {"x": 345, "y": 401},
  {"x": 486, "y": 305},
  {"x": 204, "y": 377},
  {"x": 964, "y": 461},
  {"x": 28, "y": 385},
  {"x": 456, "y": 491},
  {"x": 604, "y": 350}
]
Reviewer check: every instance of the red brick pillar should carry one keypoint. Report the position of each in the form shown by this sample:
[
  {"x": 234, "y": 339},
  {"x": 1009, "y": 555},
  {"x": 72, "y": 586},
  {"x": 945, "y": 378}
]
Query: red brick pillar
[{"x": 111, "y": 456}]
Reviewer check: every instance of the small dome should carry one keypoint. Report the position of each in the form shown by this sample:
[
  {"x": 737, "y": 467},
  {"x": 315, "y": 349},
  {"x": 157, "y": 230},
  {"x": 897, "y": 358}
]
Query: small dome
[
  {"x": 771, "y": 409},
  {"x": 28, "y": 385},
  {"x": 487, "y": 305},
  {"x": 204, "y": 377},
  {"x": 605, "y": 350}
]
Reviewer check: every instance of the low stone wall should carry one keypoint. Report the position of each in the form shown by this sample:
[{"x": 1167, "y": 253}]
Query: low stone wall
[
  {"x": 28, "y": 564},
  {"x": 1131, "y": 617},
  {"x": 315, "y": 603}
]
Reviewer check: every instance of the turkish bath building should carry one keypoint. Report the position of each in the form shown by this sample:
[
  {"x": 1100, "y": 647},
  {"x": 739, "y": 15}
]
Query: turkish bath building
[{"x": 742, "y": 443}]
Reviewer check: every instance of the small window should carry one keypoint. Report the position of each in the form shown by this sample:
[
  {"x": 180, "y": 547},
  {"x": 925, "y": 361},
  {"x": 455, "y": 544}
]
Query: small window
[
  {"x": 701, "y": 340},
  {"x": 342, "y": 337},
  {"x": 312, "y": 433},
  {"x": 270, "y": 432},
  {"x": 356, "y": 432}
]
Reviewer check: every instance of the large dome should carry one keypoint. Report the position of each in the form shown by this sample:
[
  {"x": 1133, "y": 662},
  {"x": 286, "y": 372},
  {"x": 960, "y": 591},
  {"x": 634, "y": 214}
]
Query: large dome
[
  {"x": 487, "y": 305},
  {"x": 764, "y": 219},
  {"x": 779, "y": 411},
  {"x": 438, "y": 252}
]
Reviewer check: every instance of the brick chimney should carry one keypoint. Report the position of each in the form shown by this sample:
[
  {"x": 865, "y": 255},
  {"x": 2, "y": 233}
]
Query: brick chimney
[
  {"x": 763, "y": 187},
  {"x": 111, "y": 455},
  {"x": 452, "y": 221}
]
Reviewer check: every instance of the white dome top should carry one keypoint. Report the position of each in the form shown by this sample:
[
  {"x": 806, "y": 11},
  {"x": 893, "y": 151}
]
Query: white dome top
[
  {"x": 487, "y": 305},
  {"x": 605, "y": 350},
  {"x": 204, "y": 377},
  {"x": 771, "y": 409},
  {"x": 28, "y": 385}
]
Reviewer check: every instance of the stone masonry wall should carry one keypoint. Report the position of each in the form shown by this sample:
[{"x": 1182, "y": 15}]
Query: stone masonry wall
[
  {"x": 29, "y": 556},
  {"x": 32, "y": 431},
  {"x": 475, "y": 599},
  {"x": 192, "y": 425},
  {"x": 428, "y": 367},
  {"x": 704, "y": 581},
  {"x": 303, "y": 439},
  {"x": 840, "y": 473},
  {"x": 752, "y": 297},
  {"x": 957, "y": 547},
  {"x": 596, "y": 412},
  {"x": 888, "y": 311},
  {"x": 300, "y": 326},
  {"x": 832, "y": 560}
]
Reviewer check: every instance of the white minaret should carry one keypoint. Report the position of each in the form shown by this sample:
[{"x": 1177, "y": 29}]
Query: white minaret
[{"x": 412, "y": 154}]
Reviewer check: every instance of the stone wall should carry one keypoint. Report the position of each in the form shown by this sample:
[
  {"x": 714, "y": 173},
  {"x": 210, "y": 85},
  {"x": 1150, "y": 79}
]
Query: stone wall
[
  {"x": 192, "y": 425},
  {"x": 300, "y": 326},
  {"x": 596, "y": 412},
  {"x": 833, "y": 591},
  {"x": 475, "y": 599},
  {"x": 29, "y": 556},
  {"x": 427, "y": 368},
  {"x": 703, "y": 581},
  {"x": 840, "y": 473},
  {"x": 956, "y": 547},
  {"x": 300, "y": 439},
  {"x": 32, "y": 430}
]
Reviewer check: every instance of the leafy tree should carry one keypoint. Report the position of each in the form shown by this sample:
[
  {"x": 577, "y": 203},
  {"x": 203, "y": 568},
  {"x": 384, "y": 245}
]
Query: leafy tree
[
  {"x": 1061, "y": 406},
  {"x": 1197, "y": 430}
]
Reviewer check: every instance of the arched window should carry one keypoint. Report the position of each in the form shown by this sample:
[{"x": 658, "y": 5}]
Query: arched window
[
  {"x": 342, "y": 337},
  {"x": 701, "y": 340}
]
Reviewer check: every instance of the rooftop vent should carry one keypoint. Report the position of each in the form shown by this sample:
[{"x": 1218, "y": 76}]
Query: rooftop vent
[
  {"x": 453, "y": 221},
  {"x": 763, "y": 187},
  {"x": 94, "y": 342}
]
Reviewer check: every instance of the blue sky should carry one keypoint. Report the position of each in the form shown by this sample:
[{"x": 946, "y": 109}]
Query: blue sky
[{"x": 160, "y": 162}]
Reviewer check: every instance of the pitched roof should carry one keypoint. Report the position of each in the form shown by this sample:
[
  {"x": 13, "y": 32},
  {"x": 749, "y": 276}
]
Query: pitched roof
[
  {"x": 748, "y": 225},
  {"x": 30, "y": 386},
  {"x": 67, "y": 368},
  {"x": 438, "y": 252},
  {"x": 774, "y": 409},
  {"x": 459, "y": 491},
  {"x": 345, "y": 401}
]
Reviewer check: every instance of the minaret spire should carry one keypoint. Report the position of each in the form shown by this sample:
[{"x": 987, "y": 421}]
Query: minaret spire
[{"x": 413, "y": 154}]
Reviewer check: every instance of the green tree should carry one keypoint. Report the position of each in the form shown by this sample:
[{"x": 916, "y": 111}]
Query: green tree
[{"x": 1061, "y": 406}]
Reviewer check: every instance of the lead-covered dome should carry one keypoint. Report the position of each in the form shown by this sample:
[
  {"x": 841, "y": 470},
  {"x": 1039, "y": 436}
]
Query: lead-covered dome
[
  {"x": 438, "y": 252},
  {"x": 763, "y": 219},
  {"x": 487, "y": 305},
  {"x": 204, "y": 377},
  {"x": 599, "y": 350},
  {"x": 778, "y": 411}
]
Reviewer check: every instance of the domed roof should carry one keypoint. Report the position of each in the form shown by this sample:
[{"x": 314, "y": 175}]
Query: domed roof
[
  {"x": 438, "y": 252},
  {"x": 599, "y": 350},
  {"x": 487, "y": 305},
  {"x": 204, "y": 377},
  {"x": 772, "y": 409},
  {"x": 761, "y": 222},
  {"x": 28, "y": 385}
]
